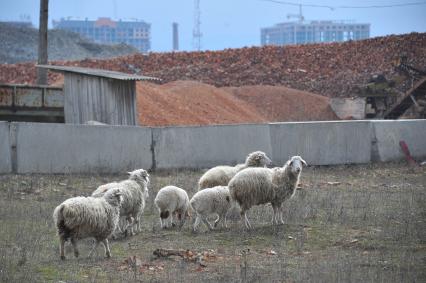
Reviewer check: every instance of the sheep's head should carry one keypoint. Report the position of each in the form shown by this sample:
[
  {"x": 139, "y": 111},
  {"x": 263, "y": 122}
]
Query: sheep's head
[
  {"x": 258, "y": 159},
  {"x": 114, "y": 197},
  {"x": 296, "y": 164},
  {"x": 139, "y": 175}
]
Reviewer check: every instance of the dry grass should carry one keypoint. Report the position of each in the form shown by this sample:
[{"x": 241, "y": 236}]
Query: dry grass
[{"x": 368, "y": 227}]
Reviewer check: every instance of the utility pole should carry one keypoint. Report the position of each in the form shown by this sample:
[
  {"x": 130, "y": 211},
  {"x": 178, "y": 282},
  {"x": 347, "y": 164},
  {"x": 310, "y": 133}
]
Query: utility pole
[
  {"x": 175, "y": 37},
  {"x": 42, "y": 42},
  {"x": 196, "y": 33}
]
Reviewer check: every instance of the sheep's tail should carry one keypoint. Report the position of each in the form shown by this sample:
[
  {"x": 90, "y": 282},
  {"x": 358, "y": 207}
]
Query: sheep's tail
[
  {"x": 191, "y": 209},
  {"x": 59, "y": 219}
]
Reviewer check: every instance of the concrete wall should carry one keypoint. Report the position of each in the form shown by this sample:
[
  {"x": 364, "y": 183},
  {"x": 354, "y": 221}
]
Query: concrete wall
[
  {"x": 389, "y": 133},
  {"x": 60, "y": 148},
  {"x": 324, "y": 143},
  {"x": 5, "y": 149},
  {"x": 195, "y": 147}
]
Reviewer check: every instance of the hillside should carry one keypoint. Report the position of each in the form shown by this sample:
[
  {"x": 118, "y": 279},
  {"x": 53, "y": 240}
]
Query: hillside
[
  {"x": 333, "y": 69},
  {"x": 19, "y": 44},
  {"x": 194, "y": 103}
]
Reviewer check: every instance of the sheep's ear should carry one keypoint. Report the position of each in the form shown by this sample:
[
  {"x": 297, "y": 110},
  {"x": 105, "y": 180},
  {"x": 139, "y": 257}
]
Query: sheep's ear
[
  {"x": 304, "y": 162},
  {"x": 129, "y": 173}
]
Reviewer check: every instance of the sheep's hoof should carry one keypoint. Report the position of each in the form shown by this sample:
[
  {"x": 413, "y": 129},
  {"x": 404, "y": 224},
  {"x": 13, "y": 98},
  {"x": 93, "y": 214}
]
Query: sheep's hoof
[
  {"x": 76, "y": 254},
  {"x": 108, "y": 255},
  {"x": 62, "y": 257}
]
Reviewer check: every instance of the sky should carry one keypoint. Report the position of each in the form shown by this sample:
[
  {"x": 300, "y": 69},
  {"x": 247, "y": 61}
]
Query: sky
[{"x": 224, "y": 23}]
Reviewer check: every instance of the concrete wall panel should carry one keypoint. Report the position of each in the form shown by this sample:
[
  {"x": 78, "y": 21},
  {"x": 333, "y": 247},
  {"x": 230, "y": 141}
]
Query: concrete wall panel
[
  {"x": 5, "y": 149},
  {"x": 59, "y": 148},
  {"x": 323, "y": 143},
  {"x": 389, "y": 133},
  {"x": 204, "y": 147}
]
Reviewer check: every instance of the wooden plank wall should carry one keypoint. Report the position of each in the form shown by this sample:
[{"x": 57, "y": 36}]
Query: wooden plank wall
[{"x": 100, "y": 99}]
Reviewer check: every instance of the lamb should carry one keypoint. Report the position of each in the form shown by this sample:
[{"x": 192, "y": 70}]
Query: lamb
[
  {"x": 254, "y": 186},
  {"x": 84, "y": 217},
  {"x": 221, "y": 175},
  {"x": 216, "y": 200},
  {"x": 172, "y": 200},
  {"x": 135, "y": 193}
]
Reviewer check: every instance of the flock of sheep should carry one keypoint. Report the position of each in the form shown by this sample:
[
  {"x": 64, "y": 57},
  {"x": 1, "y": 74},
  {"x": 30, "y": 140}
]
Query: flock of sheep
[{"x": 117, "y": 207}]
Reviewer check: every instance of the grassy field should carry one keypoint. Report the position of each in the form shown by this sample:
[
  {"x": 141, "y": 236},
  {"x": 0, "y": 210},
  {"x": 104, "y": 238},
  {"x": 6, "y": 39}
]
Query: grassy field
[{"x": 347, "y": 224}]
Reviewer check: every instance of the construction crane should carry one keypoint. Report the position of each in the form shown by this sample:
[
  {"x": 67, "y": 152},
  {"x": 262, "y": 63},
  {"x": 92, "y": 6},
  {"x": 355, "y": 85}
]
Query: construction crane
[{"x": 196, "y": 33}]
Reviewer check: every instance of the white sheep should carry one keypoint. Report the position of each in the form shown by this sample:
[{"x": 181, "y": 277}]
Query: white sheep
[
  {"x": 172, "y": 200},
  {"x": 221, "y": 175},
  {"x": 84, "y": 217},
  {"x": 254, "y": 186},
  {"x": 216, "y": 200},
  {"x": 135, "y": 193}
]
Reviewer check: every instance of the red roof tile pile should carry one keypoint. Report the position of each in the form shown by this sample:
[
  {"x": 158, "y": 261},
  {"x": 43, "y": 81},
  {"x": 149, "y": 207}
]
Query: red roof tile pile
[{"x": 328, "y": 69}]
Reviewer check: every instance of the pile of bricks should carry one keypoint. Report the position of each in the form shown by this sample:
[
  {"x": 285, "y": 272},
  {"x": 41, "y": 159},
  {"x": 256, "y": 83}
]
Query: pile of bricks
[{"x": 333, "y": 69}]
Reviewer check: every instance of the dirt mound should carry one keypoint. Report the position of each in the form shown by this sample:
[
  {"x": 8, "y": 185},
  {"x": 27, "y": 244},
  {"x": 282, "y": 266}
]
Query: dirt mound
[
  {"x": 19, "y": 44},
  {"x": 191, "y": 103},
  {"x": 194, "y": 103},
  {"x": 278, "y": 103}
]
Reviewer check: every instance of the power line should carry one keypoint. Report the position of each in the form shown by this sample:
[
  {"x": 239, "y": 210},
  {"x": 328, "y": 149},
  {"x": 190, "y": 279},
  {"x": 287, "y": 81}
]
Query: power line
[{"x": 347, "y": 7}]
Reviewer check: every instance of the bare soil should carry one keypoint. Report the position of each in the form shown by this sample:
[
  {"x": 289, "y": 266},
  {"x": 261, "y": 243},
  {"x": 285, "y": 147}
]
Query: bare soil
[
  {"x": 359, "y": 223},
  {"x": 195, "y": 103}
]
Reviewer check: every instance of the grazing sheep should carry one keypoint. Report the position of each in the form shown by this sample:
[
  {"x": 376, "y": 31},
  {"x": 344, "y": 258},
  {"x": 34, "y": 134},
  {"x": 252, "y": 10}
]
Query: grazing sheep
[
  {"x": 221, "y": 175},
  {"x": 216, "y": 200},
  {"x": 254, "y": 186},
  {"x": 134, "y": 192},
  {"x": 172, "y": 200},
  {"x": 84, "y": 217}
]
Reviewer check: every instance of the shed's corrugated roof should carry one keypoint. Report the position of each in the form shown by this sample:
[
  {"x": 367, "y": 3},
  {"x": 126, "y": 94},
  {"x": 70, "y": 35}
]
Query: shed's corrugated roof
[{"x": 98, "y": 73}]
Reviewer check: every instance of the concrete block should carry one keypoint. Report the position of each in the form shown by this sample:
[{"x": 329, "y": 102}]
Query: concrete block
[
  {"x": 5, "y": 149},
  {"x": 208, "y": 146},
  {"x": 61, "y": 148},
  {"x": 389, "y": 133},
  {"x": 322, "y": 143}
]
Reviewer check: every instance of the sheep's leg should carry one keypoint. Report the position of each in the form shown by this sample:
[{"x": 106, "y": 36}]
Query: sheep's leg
[
  {"x": 74, "y": 245},
  {"x": 196, "y": 223},
  {"x": 131, "y": 222},
  {"x": 136, "y": 224},
  {"x": 170, "y": 221},
  {"x": 62, "y": 247},
  {"x": 204, "y": 219},
  {"x": 139, "y": 222},
  {"x": 245, "y": 219},
  {"x": 274, "y": 215},
  {"x": 173, "y": 222},
  {"x": 129, "y": 227},
  {"x": 106, "y": 248},
  {"x": 248, "y": 225},
  {"x": 224, "y": 221},
  {"x": 281, "y": 210},
  {"x": 119, "y": 224},
  {"x": 161, "y": 223},
  {"x": 183, "y": 219},
  {"x": 95, "y": 246},
  {"x": 216, "y": 222}
]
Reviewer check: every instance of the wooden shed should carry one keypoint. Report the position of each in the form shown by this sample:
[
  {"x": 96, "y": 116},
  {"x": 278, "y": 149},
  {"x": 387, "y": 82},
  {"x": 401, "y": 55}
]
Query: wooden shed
[{"x": 98, "y": 95}]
